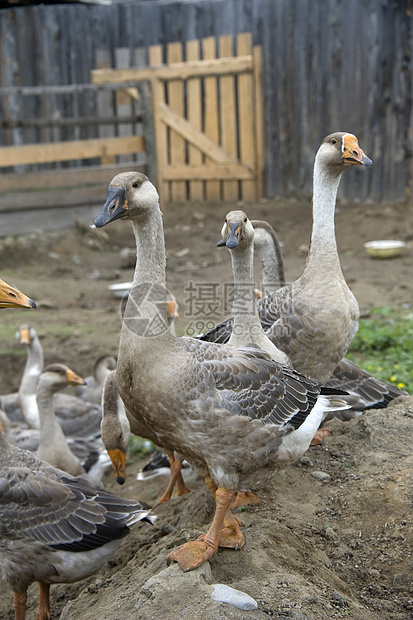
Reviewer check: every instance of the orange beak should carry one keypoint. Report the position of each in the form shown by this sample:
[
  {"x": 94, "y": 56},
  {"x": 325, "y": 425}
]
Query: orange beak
[
  {"x": 24, "y": 335},
  {"x": 118, "y": 458},
  {"x": 352, "y": 153},
  {"x": 10, "y": 297},
  {"x": 74, "y": 379},
  {"x": 172, "y": 309}
]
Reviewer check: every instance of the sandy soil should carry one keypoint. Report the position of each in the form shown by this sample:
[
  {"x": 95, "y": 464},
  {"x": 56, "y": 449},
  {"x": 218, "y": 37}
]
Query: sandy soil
[{"x": 316, "y": 548}]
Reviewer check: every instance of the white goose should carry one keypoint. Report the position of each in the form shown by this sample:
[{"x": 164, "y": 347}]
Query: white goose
[{"x": 227, "y": 410}]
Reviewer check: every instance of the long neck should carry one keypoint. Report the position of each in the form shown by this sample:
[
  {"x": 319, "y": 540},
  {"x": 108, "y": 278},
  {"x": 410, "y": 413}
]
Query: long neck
[
  {"x": 269, "y": 253},
  {"x": 32, "y": 368},
  {"x": 244, "y": 309},
  {"x": 247, "y": 327},
  {"x": 51, "y": 433},
  {"x": 146, "y": 309},
  {"x": 323, "y": 248}
]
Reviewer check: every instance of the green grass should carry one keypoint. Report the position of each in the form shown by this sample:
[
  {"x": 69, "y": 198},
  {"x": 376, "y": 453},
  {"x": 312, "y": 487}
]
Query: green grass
[
  {"x": 139, "y": 446},
  {"x": 383, "y": 346}
]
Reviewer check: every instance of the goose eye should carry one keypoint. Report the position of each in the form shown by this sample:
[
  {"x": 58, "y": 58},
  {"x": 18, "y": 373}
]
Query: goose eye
[
  {"x": 333, "y": 141},
  {"x": 136, "y": 184},
  {"x": 245, "y": 220}
]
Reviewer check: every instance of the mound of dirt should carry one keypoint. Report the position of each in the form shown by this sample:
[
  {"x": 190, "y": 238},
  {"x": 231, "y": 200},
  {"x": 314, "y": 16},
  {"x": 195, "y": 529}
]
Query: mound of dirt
[{"x": 332, "y": 536}]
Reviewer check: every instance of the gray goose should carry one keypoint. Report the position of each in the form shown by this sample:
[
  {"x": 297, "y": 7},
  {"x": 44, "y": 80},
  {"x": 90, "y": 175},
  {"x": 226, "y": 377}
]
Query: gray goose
[
  {"x": 229, "y": 411},
  {"x": 55, "y": 528},
  {"x": 322, "y": 317}
]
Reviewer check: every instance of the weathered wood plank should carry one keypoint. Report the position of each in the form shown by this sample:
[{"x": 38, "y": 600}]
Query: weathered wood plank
[
  {"x": 206, "y": 173},
  {"x": 68, "y": 177},
  {"x": 211, "y": 121},
  {"x": 196, "y": 188},
  {"x": 175, "y": 94},
  {"x": 158, "y": 97},
  {"x": 228, "y": 115},
  {"x": 258, "y": 121},
  {"x": 177, "y": 70},
  {"x": 65, "y": 151},
  {"x": 246, "y": 117},
  {"x": 194, "y": 136}
]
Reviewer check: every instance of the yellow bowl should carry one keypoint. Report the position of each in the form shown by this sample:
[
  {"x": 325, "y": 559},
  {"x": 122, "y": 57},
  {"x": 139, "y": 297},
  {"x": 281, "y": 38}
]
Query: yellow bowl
[{"x": 385, "y": 248}]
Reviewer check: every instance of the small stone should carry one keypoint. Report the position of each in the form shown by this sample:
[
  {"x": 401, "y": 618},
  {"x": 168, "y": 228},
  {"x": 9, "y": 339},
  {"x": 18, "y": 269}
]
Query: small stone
[
  {"x": 321, "y": 475},
  {"x": 226, "y": 594},
  {"x": 338, "y": 600},
  {"x": 401, "y": 581}
]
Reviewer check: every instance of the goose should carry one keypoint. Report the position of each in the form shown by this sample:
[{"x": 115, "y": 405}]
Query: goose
[
  {"x": 77, "y": 456},
  {"x": 117, "y": 425},
  {"x": 55, "y": 528},
  {"x": 367, "y": 392},
  {"x": 92, "y": 390},
  {"x": 314, "y": 319},
  {"x": 238, "y": 236},
  {"x": 75, "y": 416},
  {"x": 229, "y": 411}
]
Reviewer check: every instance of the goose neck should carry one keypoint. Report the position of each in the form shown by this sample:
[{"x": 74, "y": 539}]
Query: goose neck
[
  {"x": 244, "y": 308},
  {"x": 49, "y": 426},
  {"x": 323, "y": 239},
  {"x": 272, "y": 264},
  {"x": 148, "y": 295}
]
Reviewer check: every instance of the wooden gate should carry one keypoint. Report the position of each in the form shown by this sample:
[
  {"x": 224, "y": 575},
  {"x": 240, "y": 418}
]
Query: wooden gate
[{"x": 207, "y": 115}]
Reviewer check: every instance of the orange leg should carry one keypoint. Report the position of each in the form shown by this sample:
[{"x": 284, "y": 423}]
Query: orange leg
[
  {"x": 43, "y": 610},
  {"x": 243, "y": 498},
  {"x": 231, "y": 536},
  {"x": 319, "y": 436},
  {"x": 175, "y": 477},
  {"x": 194, "y": 553},
  {"x": 20, "y": 599}
]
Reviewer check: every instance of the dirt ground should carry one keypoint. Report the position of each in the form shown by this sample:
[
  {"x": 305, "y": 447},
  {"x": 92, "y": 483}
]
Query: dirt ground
[{"x": 332, "y": 536}]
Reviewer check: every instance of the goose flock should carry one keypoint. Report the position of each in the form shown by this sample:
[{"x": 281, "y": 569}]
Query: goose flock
[{"x": 234, "y": 404}]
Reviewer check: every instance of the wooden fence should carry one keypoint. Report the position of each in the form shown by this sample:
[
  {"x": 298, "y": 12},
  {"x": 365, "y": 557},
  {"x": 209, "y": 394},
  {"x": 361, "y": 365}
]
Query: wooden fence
[
  {"x": 207, "y": 114},
  {"x": 327, "y": 65}
]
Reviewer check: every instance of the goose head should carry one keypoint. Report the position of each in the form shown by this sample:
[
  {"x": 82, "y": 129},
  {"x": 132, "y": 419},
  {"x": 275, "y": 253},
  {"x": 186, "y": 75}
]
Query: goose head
[
  {"x": 56, "y": 377},
  {"x": 341, "y": 150},
  {"x": 130, "y": 196},
  {"x": 10, "y": 297},
  {"x": 237, "y": 230},
  {"x": 26, "y": 334}
]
